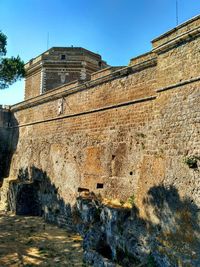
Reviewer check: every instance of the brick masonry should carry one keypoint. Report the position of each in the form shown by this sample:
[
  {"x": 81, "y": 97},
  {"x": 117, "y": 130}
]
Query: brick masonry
[
  {"x": 60, "y": 65},
  {"x": 130, "y": 129}
]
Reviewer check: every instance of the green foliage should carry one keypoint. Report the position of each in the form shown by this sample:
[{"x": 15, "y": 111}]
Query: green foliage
[
  {"x": 3, "y": 44},
  {"x": 131, "y": 200},
  {"x": 191, "y": 161},
  {"x": 122, "y": 202},
  {"x": 11, "y": 69}
]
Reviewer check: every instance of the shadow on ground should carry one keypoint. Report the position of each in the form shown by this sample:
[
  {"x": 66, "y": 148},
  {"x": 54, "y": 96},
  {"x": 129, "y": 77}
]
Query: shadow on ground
[
  {"x": 29, "y": 241},
  {"x": 169, "y": 232}
]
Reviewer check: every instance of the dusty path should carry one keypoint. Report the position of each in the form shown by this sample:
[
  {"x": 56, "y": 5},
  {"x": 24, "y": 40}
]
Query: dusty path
[{"x": 28, "y": 241}]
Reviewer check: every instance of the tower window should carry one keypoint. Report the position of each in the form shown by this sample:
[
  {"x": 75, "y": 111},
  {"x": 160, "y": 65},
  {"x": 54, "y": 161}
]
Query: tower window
[{"x": 63, "y": 57}]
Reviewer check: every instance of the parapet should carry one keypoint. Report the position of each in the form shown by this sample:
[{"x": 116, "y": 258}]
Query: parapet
[
  {"x": 142, "y": 58},
  {"x": 105, "y": 72},
  {"x": 179, "y": 34},
  {"x": 62, "y": 69}
]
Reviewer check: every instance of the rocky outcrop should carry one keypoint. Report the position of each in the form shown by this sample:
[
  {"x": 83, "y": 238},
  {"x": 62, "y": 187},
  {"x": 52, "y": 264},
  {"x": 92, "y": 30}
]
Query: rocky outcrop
[{"x": 117, "y": 235}]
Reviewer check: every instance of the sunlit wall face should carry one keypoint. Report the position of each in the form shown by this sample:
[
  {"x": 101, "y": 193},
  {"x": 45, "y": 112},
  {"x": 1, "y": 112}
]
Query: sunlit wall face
[{"x": 117, "y": 30}]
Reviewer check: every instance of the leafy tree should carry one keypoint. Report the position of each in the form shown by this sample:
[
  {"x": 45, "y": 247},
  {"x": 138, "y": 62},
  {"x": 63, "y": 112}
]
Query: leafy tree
[{"x": 11, "y": 69}]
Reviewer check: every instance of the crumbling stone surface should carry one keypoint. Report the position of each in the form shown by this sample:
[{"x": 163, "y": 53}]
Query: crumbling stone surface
[
  {"x": 122, "y": 237},
  {"x": 129, "y": 135}
]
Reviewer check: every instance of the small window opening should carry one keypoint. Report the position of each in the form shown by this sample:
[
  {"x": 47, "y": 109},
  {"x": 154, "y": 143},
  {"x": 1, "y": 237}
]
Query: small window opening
[
  {"x": 99, "y": 186},
  {"x": 63, "y": 57}
]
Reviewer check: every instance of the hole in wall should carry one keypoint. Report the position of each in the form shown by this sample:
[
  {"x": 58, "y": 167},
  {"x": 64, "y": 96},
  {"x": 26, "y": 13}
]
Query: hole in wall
[
  {"x": 131, "y": 173},
  {"x": 113, "y": 157},
  {"x": 125, "y": 259},
  {"x": 27, "y": 201},
  {"x": 57, "y": 211},
  {"x": 104, "y": 249},
  {"x": 82, "y": 189},
  {"x": 99, "y": 185},
  {"x": 56, "y": 190}
]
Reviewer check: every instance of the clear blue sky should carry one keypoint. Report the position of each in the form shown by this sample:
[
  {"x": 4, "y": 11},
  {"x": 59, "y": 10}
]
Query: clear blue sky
[{"x": 116, "y": 29}]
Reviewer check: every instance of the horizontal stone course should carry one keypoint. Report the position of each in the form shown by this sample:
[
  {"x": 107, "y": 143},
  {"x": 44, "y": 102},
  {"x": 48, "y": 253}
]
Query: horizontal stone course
[{"x": 128, "y": 132}]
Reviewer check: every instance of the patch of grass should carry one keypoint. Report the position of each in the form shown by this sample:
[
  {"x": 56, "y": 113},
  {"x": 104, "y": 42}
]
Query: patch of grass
[
  {"x": 122, "y": 202},
  {"x": 192, "y": 161},
  {"x": 131, "y": 200}
]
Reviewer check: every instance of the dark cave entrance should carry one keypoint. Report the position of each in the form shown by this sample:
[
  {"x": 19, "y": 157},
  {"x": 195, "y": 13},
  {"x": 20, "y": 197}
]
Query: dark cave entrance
[{"x": 24, "y": 199}]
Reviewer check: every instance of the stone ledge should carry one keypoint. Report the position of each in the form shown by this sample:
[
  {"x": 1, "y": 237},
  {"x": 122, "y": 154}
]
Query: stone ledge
[
  {"x": 173, "y": 86},
  {"x": 142, "y": 58},
  {"x": 176, "y": 32},
  {"x": 88, "y": 112},
  {"x": 176, "y": 41},
  {"x": 104, "y": 72},
  {"x": 47, "y": 97}
]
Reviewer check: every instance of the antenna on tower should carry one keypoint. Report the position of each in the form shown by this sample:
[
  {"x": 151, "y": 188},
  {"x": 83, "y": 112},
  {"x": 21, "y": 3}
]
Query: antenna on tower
[
  {"x": 177, "y": 13},
  {"x": 47, "y": 40}
]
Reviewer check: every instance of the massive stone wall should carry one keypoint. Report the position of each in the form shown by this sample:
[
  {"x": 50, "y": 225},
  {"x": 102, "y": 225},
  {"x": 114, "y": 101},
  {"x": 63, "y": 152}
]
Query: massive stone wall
[
  {"x": 4, "y": 141},
  {"x": 89, "y": 143},
  {"x": 132, "y": 131},
  {"x": 107, "y": 129}
]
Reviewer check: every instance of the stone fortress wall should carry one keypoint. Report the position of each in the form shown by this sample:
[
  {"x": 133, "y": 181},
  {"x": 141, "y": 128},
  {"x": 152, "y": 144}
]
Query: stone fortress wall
[
  {"x": 4, "y": 140},
  {"x": 125, "y": 132}
]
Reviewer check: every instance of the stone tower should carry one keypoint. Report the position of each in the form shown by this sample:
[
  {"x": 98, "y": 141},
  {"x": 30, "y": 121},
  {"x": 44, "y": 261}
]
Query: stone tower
[{"x": 60, "y": 65}]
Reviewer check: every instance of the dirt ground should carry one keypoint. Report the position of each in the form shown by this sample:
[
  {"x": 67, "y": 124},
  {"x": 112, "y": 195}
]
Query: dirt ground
[{"x": 29, "y": 241}]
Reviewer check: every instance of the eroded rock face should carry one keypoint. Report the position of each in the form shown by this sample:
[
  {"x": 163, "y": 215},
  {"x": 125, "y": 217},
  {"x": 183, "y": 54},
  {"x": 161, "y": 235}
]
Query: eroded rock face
[
  {"x": 167, "y": 236},
  {"x": 134, "y": 132},
  {"x": 114, "y": 236}
]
